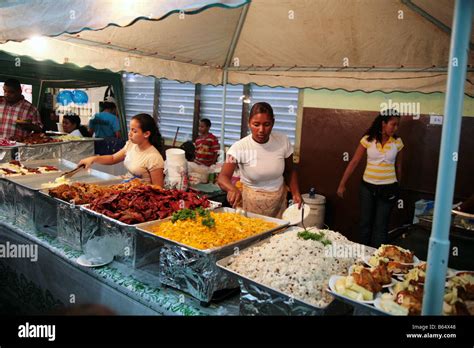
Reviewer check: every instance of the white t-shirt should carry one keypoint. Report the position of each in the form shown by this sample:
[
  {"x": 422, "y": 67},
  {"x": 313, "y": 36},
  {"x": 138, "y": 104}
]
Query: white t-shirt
[
  {"x": 262, "y": 165},
  {"x": 76, "y": 132},
  {"x": 141, "y": 163}
]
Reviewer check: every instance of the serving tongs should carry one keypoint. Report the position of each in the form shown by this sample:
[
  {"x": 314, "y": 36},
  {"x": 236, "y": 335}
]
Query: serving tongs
[{"x": 70, "y": 173}]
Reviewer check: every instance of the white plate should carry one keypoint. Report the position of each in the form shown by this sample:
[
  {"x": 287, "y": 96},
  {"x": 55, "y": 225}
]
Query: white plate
[
  {"x": 293, "y": 215},
  {"x": 377, "y": 304},
  {"x": 332, "y": 287},
  {"x": 86, "y": 262}
]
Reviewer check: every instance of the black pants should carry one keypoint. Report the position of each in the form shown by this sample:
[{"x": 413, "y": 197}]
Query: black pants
[{"x": 376, "y": 203}]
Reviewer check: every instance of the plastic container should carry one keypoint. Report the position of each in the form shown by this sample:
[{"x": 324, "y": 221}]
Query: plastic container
[
  {"x": 317, "y": 203},
  {"x": 175, "y": 156}
]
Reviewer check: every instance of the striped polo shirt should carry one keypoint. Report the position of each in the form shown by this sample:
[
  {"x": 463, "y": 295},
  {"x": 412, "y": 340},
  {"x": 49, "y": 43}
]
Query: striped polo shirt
[
  {"x": 380, "y": 168},
  {"x": 206, "y": 148}
]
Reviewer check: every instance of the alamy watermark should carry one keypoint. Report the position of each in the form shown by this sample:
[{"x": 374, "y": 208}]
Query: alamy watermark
[
  {"x": 19, "y": 251},
  {"x": 400, "y": 108},
  {"x": 338, "y": 250},
  {"x": 37, "y": 331},
  {"x": 248, "y": 157}
]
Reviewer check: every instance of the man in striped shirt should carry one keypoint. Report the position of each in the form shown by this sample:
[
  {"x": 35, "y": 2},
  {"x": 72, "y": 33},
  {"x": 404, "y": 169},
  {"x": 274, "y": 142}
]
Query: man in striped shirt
[
  {"x": 18, "y": 117},
  {"x": 207, "y": 145}
]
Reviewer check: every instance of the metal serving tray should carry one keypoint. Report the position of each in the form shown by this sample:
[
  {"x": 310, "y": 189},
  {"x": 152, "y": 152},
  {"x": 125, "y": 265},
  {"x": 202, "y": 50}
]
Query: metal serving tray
[
  {"x": 75, "y": 150},
  {"x": 146, "y": 228},
  {"x": 8, "y": 153},
  {"x": 260, "y": 299},
  {"x": 55, "y": 216},
  {"x": 194, "y": 271},
  {"x": 61, "y": 164},
  {"x": 35, "y": 181},
  {"x": 40, "y": 151},
  {"x": 139, "y": 249},
  {"x": 27, "y": 198}
]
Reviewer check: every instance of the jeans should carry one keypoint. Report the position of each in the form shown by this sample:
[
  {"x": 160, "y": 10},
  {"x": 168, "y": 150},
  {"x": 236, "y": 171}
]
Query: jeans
[{"x": 376, "y": 203}]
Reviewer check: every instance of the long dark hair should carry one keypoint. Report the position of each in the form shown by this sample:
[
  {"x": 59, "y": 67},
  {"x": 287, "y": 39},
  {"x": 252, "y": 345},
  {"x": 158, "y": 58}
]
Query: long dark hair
[
  {"x": 261, "y": 108},
  {"x": 76, "y": 120},
  {"x": 148, "y": 124},
  {"x": 375, "y": 130}
]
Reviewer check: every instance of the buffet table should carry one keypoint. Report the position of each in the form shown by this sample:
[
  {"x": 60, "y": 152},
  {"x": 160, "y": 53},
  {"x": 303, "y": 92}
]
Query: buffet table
[
  {"x": 56, "y": 280},
  {"x": 155, "y": 251}
]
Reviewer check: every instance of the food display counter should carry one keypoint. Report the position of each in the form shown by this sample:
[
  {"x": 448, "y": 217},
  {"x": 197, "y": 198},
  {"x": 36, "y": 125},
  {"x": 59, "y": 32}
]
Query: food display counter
[{"x": 176, "y": 249}]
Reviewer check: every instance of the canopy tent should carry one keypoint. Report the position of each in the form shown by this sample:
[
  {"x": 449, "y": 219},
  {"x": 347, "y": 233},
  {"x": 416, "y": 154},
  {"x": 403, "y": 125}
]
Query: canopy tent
[
  {"x": 47, "y": 74},
  {"x": 363, "y": 45}
]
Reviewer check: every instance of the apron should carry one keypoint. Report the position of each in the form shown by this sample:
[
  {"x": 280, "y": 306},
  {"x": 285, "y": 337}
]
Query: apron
[{"x": 267, "y": 203}]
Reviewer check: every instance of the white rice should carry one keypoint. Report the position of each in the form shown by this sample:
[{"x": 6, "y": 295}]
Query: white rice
[{"x": 294, "y": 266}]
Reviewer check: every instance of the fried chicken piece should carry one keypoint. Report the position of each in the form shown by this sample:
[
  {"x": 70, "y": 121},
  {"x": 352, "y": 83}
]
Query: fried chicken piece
[
  {"x": 367, "y": 281},
  {"x": 422, "y": 266},
  {"x": 397, "y": 267},
  {"x": 395, "y": 254},
  {"x": 466, "y": 293},
  {"x": 410, "y": 301},
  {"x": 461, "y": 308},
  {"x": 381, "y": 275}
]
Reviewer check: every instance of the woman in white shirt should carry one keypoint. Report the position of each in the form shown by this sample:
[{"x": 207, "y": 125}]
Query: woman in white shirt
[
  {"x": 379, "y": 190},
  {"x": 72, "y": 125},
  {"x": 141, "y": 154},
  {"x": 265, "y": 161}
]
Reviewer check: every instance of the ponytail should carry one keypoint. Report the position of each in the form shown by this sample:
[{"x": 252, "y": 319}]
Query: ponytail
[{"x": 148, "y": 124}]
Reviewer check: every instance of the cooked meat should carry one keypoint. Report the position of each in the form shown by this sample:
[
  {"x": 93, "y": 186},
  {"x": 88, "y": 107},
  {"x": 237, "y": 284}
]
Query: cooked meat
[
  {"x": 367, "y": 281},
  {"x": 461, "y": 308},
  {"x": 408, "y": 300},
  {"x": 397, "y": 267},
  {"x": 381, "y": 275},
  {"x": 395, "y": 254}
]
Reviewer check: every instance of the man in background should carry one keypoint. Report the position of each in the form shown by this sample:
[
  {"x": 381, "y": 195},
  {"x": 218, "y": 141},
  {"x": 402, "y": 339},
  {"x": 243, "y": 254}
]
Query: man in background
[
  {"x": 18, "y": 117},
  {"x": 105, "y": 124},
  {"x": 207, "y": 145}
]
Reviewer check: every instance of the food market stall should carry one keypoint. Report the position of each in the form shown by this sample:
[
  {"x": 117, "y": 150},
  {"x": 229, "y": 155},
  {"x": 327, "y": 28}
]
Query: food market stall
[
  {"x": 179, "y": 244},
  {"x": 46, "y": 74},
  {"x": 281, "y": 69}
]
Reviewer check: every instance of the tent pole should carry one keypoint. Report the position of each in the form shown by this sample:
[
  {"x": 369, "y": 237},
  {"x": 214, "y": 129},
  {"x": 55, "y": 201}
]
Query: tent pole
[
  {"x": 228, "y": 59},
  {"x": 38, "y": 97},
  {"x": 224, "y": 96},
  {"x": 438, "y": 252},
  {"x": 430, "y": 18}
]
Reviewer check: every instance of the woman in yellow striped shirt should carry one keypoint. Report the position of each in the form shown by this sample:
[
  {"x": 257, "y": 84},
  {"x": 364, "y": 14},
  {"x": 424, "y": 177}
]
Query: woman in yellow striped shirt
[{"x": 379, "y": 190}]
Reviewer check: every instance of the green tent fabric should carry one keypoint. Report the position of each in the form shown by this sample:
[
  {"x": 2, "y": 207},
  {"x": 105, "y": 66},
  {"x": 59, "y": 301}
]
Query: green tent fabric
[{"x": 48, "y": 74}]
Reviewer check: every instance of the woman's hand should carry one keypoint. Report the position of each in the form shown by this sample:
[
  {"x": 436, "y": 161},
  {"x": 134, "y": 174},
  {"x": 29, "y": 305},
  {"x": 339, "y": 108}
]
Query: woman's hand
[
  {"x": 234, "y": 197},
  {"x": 297, "y": 199},
  {"x": 87, "y": 162},
  {"x": 340, "y": 191}
]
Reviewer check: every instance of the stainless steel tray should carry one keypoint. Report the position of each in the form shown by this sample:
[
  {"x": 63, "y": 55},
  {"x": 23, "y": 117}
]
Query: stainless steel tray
[
  {"x": 45, "y": 192},
  {"x": 3, "y": 148},
  {"x": 62, "y": 165},
  {"x": 146, "y": 228},
  {"x": 86, "y": 208},
  {"x": 224, "y": 262},
  {"x": 85, "y": 139},
  {"x": 44, "y": 145},
  {"x": 34, "y": 181}
]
